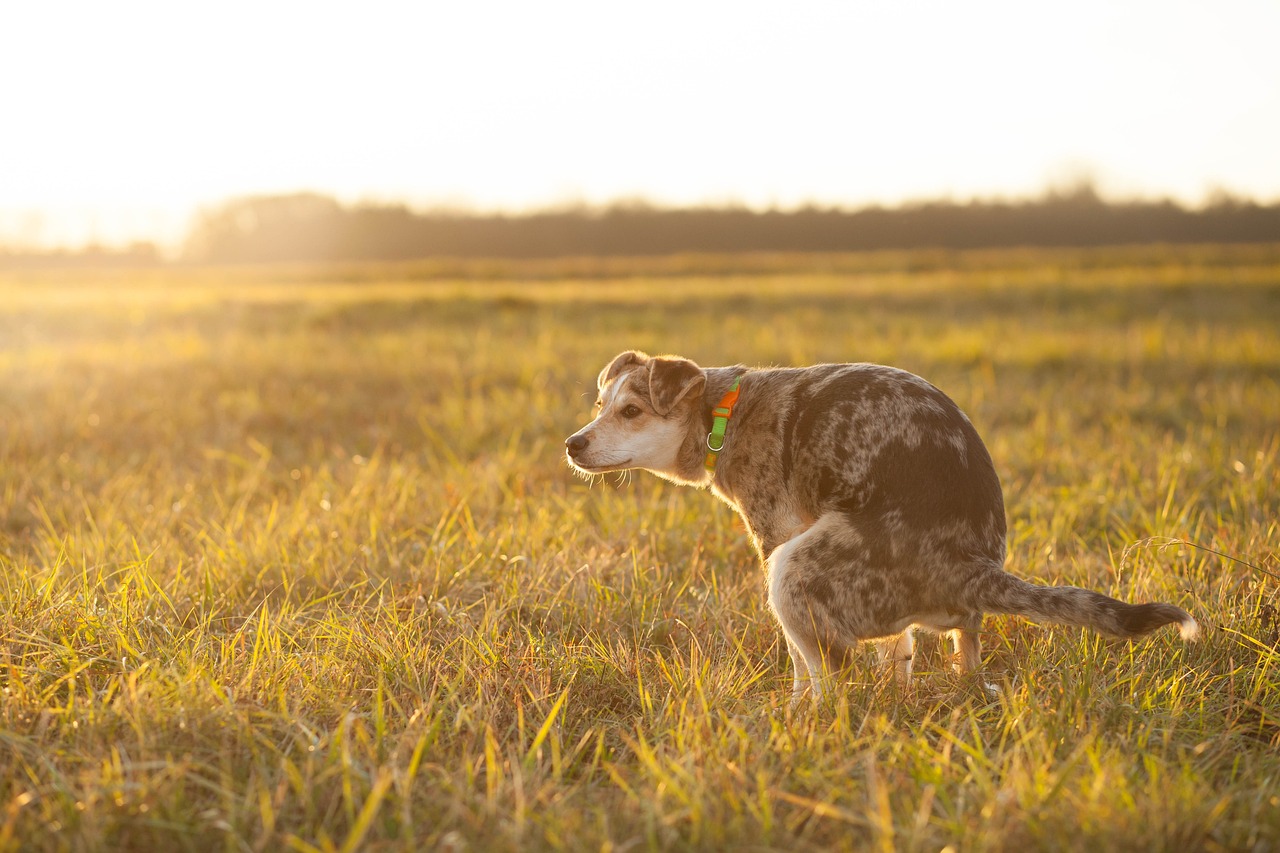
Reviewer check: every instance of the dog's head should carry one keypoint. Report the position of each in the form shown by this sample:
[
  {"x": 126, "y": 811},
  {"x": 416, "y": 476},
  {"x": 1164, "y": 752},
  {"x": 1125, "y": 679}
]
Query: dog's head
[{"x": 644, "y": 411}]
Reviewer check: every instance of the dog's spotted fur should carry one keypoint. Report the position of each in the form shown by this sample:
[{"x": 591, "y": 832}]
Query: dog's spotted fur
[{"x": 870, "y": 498}]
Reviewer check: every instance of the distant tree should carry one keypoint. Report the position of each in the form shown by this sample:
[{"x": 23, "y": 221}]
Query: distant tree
[
  {"x": 300, "y": 227},
  {"x": 310, "y": 227}
]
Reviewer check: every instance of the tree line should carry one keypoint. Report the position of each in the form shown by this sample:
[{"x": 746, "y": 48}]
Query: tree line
[{"x": 308, "y": 227}]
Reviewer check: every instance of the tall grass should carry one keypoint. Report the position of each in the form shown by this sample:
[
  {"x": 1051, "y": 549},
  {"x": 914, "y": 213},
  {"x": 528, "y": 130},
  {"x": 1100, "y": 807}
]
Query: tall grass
[{"x": 289, "y": 559}]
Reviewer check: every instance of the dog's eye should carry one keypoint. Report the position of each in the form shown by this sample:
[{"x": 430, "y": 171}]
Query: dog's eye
[{"x": 631, "y": 411}]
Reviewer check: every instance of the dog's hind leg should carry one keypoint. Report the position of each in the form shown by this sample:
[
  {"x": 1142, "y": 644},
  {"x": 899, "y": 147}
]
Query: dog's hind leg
[
  {"x": 801, "y": 678},
  {"x": 900, "y": 650},
  {"x": 820, "y": 612},
  {"x": 798, "y": 619},
  {"x": 968, "y": 644}
]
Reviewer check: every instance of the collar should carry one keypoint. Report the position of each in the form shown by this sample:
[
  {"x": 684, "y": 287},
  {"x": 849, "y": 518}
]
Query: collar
[{"x": 719, "y": 421}]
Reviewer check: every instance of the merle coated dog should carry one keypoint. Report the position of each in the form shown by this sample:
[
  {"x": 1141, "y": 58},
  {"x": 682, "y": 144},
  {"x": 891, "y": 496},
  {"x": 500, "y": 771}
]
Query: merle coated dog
[{"x": 869, "y": 496}]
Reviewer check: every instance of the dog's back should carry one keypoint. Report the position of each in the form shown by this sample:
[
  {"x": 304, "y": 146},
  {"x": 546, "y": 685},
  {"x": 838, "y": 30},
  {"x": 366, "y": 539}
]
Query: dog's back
[{"x": 887, "y": 451}]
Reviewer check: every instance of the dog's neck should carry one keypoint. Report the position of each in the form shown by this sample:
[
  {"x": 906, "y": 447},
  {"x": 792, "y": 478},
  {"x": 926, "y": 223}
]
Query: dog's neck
[
  {"x": 690, "y": 468},
  {"x": 719, "y": 380}
]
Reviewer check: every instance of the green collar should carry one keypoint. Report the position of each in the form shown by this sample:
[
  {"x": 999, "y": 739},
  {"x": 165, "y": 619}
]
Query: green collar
[{"x": 719, "y": 421}]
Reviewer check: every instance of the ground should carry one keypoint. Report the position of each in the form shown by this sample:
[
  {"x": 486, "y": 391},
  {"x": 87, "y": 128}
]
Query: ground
[{"x": 290, "y": 558}]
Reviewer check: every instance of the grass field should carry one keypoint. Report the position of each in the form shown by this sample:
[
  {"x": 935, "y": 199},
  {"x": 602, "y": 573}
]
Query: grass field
[{"x": 290, "y": 559}]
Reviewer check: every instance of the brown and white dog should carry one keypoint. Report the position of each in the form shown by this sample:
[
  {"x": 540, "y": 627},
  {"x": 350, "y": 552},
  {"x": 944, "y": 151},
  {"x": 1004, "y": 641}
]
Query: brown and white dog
[{"x": 869, "y": 496}]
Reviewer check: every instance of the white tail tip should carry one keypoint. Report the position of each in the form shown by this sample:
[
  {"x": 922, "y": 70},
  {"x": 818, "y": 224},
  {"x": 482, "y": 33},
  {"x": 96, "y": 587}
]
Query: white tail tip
[{"x": 1189, "y": 629}]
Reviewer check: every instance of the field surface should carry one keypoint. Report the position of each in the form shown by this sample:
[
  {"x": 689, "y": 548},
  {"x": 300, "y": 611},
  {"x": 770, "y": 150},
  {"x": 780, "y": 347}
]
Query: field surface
[{"x": 290, "y": 559}]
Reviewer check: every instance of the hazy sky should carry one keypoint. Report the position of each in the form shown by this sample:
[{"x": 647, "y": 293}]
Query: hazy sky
[{"x": 118, "y": 119}]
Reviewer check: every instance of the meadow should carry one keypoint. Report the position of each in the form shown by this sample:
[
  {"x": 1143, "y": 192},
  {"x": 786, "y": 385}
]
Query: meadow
[{"x": 290, "y": 559}]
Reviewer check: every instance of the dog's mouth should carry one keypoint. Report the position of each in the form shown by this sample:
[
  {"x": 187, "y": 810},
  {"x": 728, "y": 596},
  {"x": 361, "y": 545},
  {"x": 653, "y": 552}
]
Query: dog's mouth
[{"x": 598, "y": 467}]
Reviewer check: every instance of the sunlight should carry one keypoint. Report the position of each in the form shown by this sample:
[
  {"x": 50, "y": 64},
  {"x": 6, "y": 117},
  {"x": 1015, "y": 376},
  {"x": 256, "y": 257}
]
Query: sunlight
[{"x": 128, "y": 117}]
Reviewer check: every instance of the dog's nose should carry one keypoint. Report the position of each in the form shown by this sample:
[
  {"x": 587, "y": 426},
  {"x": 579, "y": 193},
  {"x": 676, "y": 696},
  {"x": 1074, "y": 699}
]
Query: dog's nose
[{"x": 575, "y": 444}]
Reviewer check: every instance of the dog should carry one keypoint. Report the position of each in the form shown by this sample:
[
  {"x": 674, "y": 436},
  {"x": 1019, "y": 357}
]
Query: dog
[{"x": 873, "y": 504}]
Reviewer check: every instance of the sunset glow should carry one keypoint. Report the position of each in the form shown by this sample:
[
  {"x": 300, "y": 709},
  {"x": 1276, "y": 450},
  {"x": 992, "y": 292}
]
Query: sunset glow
[{"x": 121, "y": 119}]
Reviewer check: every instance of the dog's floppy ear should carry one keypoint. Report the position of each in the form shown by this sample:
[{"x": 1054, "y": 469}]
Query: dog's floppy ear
[
  {"x": 620, "y": 362},
  {"x": 671, "y": 380}
]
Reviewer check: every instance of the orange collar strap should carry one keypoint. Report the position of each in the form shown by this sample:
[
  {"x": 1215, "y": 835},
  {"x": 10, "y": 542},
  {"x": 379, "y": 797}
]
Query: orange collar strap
[{"x": 719, "y": 421}]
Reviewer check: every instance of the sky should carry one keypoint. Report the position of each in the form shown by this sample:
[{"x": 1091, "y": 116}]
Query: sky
[{"x": 119, "y": 120}]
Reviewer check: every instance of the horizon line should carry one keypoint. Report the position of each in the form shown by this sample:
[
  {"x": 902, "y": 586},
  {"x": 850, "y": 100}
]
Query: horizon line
[{"x": 1079, "y": 188}]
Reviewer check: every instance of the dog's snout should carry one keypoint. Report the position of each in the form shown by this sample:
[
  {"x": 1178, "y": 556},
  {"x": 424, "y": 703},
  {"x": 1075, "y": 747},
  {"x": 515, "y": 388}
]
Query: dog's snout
[{"x": 575, "y": 444}]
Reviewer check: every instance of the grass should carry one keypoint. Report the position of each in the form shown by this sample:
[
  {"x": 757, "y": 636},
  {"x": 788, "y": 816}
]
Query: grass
[{"x": 289, "y": 559}]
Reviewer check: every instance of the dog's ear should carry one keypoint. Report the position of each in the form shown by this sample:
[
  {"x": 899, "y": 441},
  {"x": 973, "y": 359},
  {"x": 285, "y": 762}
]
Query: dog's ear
[
  {"x": 621, "y": 362},
  {"x": 671, "y": 380}
]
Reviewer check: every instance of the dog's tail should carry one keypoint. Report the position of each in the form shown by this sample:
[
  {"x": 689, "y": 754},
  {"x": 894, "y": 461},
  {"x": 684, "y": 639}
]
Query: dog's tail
[{"x": 1001, "y": 592}]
